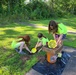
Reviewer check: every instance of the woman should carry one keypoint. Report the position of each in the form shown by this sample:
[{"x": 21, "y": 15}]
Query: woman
[{"x": 59, "y": 32}]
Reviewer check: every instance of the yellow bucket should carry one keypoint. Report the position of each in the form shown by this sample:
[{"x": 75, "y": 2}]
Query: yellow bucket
[
  {"x": 33, "y": 50},
  {"x": 52, "y": 44}
]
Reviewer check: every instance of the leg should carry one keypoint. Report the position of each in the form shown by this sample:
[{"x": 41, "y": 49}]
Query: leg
[
  {"x": 21, "y": 46},
  {"x": 39, "y": 47},
  {"x": 38, "y": 44},
  {"x": 25, "y": 46}
]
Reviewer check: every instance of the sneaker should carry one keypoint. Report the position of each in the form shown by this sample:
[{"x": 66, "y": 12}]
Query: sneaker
[
  {"x": 21, "y": 52},
  {"x": 59, "y": 55},
  {"x": 17, "y": 50}
]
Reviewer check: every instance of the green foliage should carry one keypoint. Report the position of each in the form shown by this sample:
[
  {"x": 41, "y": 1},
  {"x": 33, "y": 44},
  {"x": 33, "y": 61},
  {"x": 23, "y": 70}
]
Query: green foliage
[
  {"x": 17, "y": 10},
  {"x": 37, "y": 10},
  {"x": 4, "y": 71},
  {"x": 75, "y": 10}
]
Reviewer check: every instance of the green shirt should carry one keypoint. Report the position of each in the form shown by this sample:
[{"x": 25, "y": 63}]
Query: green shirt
[
  {"x": 15, "y": 44},
  {"x": 43, "y": 40},
  {"x": 61, "y": 29}
]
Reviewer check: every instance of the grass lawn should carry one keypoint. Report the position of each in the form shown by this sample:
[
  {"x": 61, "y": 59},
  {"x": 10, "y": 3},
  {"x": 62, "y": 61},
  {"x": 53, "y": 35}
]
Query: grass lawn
[
  {"x": 13, "y": 63},
  {"x": 70, "y": 22}
]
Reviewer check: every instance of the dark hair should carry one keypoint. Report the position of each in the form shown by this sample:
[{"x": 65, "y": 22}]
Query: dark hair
[
  {"x": 40, "y": 35},
  {"x": 54, "y": 25},
  {"x": 25, "y": 38}
]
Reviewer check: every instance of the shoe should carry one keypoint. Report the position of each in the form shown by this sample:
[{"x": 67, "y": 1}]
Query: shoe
[
  {"x": 21, "y": 52},
  {"x": 59, "y": 55},
  {"x": 17, "y": 50}
]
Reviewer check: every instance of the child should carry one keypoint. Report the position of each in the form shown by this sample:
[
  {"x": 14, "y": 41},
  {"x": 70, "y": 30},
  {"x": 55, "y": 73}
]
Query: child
[
  {"x": 59, "y": 32},
  {"x": 42, "y": 40},
  {"x": 21, "y": 42}
]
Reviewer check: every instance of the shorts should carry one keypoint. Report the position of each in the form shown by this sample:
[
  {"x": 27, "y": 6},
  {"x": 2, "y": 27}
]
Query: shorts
[
  {"x": 18, "y": 44},
  {"x": 15, "y": 44},
  {"x": 57, "y": 36}
]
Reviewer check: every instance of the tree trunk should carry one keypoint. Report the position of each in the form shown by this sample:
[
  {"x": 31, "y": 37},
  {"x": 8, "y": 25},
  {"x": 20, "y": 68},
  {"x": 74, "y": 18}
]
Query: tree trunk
[{"x": 1, "y": 8}]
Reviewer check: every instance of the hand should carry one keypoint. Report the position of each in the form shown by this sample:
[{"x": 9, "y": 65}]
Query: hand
[
  {"x": 30, "y": 51},
  {"x": 56, "y": 44},
  {"x": 39, "y": 49}
]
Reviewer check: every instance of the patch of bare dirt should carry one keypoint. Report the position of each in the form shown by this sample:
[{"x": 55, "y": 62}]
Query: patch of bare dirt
[
  {"x": 41, "y": 58},
  {"x": 25, "y": 58}
]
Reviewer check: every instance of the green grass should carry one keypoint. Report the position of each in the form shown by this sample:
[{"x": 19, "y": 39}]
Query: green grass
[
  {"x": 8, "y": 57},
  {"x": 10, "y": 61},
  {"x": 70, "y": 22}
]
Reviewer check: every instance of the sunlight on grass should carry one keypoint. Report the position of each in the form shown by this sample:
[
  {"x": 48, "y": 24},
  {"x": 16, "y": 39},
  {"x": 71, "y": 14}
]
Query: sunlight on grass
[
  {"x": 19, "y": 29},
  {"x": 40, "y": 22},
  {"x": 10, "y": 59},
  {"x": 10, "y": 33},
  {"x": 2, "y": 33},
  {"x": 69, "y": 22},
  {"x": 70, "y": 28}
]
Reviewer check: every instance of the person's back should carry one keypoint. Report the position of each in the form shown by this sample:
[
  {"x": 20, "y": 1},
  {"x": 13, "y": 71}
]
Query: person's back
[
  {"x": 42, "y": 40},
  {"x": 21, "y": 42},
  {"x": 61, "y": 29}
]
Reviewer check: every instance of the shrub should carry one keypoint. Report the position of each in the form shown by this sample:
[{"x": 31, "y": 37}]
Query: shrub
[{"x": 38, "y": 10}]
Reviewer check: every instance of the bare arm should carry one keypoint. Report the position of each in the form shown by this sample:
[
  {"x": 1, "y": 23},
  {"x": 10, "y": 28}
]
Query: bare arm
[
  {"x": 54, "y": 36},
  {"x": 36, "y": 44},
  {"x": 27, "y": 48},
  {"x": 59, "y": 39}
]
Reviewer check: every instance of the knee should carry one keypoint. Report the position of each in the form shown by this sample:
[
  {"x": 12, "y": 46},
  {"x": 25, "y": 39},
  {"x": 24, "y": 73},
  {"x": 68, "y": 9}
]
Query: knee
[{"x": 22, "y": 43}]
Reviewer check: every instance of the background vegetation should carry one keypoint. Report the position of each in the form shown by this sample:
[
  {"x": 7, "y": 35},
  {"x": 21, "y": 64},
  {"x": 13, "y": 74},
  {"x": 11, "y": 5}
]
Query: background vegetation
[
  {"x": 17, "y": 17},
  {"x": 36, "y": 9}
]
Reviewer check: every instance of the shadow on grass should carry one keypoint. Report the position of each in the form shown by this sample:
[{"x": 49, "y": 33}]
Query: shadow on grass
[
  {"x": 8, "y": 33},
  {"x": 11, "y": 33},
  {"x": 70, "y": 21},
  {"x": 14, "y": 61}
]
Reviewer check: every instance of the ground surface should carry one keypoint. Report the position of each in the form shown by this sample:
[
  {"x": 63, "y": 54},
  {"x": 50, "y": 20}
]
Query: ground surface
[{"x": 70, "y": 68}]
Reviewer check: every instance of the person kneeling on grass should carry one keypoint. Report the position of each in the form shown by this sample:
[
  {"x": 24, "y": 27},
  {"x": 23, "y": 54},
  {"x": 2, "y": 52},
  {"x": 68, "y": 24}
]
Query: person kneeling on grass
[
  {"x": 42, "y": 41},
  {"x": 21, "y": 42}
]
